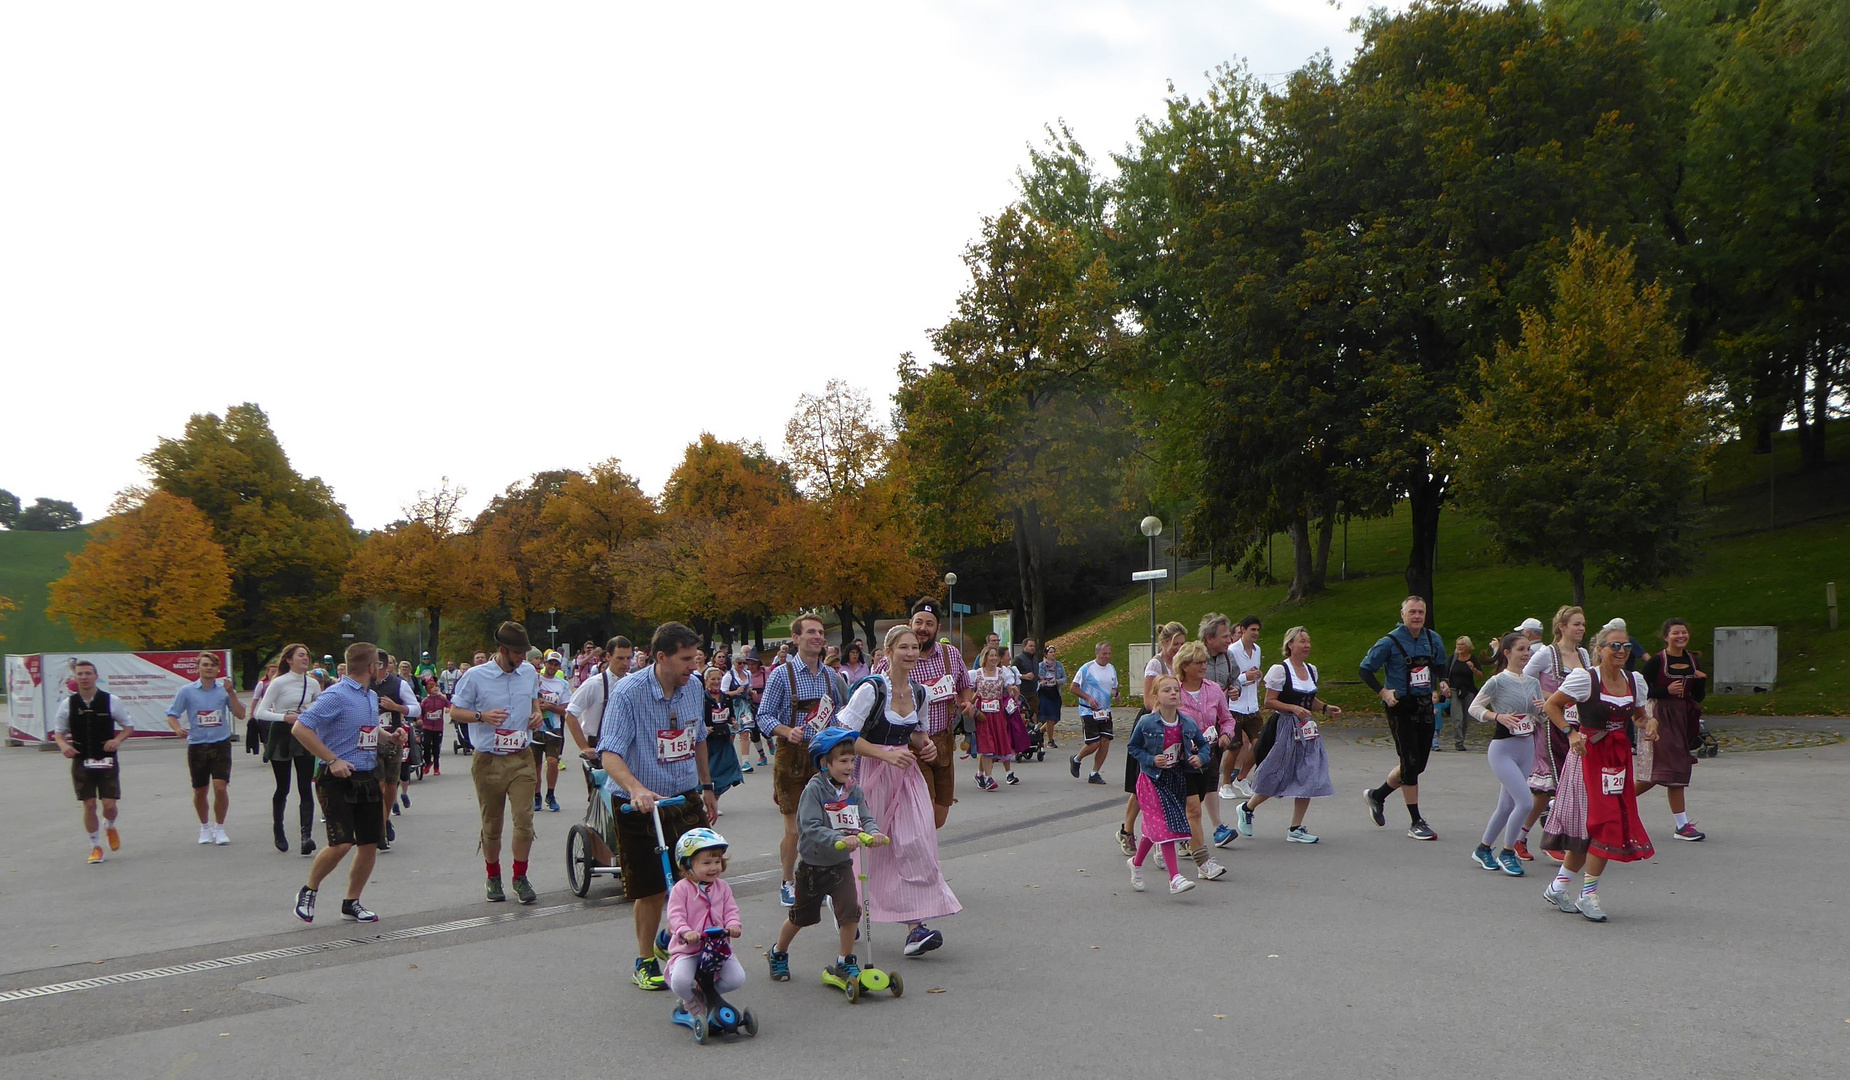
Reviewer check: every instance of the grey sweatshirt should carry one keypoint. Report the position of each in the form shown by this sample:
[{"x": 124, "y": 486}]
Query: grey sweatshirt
[
  {"x": 1507, "y": 692},
  {"x": 815, "y": 836}
]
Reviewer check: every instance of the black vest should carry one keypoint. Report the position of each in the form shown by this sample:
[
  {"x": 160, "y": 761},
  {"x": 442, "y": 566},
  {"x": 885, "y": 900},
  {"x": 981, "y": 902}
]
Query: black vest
[
  {"x": 387, "y": 689},
  {"x": 92, "y": 726}
]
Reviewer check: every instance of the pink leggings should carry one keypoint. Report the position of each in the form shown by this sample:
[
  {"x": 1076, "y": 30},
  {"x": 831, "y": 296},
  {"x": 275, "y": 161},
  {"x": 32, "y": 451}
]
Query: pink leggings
[{"x": 1169, "y": 853}]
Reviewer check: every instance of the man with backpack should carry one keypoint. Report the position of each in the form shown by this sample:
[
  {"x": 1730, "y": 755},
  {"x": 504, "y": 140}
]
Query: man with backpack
[
  {"x": 1409, "y": 660},
  {"x": 801, "y": 697}
]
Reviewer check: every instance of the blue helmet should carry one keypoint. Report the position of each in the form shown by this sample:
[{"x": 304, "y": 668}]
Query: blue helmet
[{"x": 826, "y": 740}]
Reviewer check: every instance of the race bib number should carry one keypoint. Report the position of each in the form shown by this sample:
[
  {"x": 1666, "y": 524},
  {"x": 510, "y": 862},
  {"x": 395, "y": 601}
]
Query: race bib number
[
  {"x": 1611, "y": 781},
  {"x": 99, "y": 763},
  {"x": 815, "y": 715},
  {"x": 1308, "y": 731},
  {"x": 1419, "y": 678},
  {"x": 990, "y": 705},
  {"x": 1571, "y": 714},
  {"x": 673, "y": 746},
  {"x": 1521, "y": 725},
  {"x": 509, "y": 741},
  {"x": 549, "y": 697},
  {"x": 941, "y": 689},
  {"x": 369, "y": 738},
  {"x": 844, "y": 816},
  {"x": 721, "y": 717},
  {"x": 213, "y": 718}
]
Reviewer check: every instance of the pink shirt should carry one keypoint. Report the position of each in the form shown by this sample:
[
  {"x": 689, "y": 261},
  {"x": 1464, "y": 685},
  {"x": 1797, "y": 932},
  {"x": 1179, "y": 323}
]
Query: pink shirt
[
  {"x": 1207, "y": 707},
  {"x": 689, "y": 908}
]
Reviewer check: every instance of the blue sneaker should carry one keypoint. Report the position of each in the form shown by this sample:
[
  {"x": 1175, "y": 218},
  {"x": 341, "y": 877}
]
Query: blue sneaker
[
  {"x": 1485, "y": 858},
  {"x": 1298, "y": 834},
  {"x": 923, "y": 939},
  {"x": 787, "y": 894},
  {"x": 1510, "y": 864},
  {"x": 1223, "y": 835},
  {"x": 780, "y": 965},
  {"x": 847, "y": 969},
  {"x": 1244, "y": 815}
]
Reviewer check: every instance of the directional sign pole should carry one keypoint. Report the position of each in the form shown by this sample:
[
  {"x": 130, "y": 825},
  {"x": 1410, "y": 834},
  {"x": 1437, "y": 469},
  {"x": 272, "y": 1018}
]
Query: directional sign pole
[{"x": 1151, "y": 576}]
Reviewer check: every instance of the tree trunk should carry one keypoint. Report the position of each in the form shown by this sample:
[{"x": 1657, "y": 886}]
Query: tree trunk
[
  {"x": 1425, "y": 498},
  {"x": 868, "y": 618},
  {"x": 1812, "y": 437},
  {"x": 1030, "y": 567},
  {"x": 1578, "y": 573},
  {"x": 845, "y": 613},
  {"x": 434, "y": 614},
  {"x": 1326, "y": 530},
  {"x": 1299, "y": 531},
  {"x": 758, "y": 632}
]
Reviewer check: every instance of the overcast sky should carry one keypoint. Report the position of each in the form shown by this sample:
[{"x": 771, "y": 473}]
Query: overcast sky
[{"x": 477, "y": 241}]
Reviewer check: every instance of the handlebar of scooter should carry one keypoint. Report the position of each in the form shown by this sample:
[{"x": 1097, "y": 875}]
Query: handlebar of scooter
[
  {"x": 867, "y": 839},
  {"x": 673, "y": 800}
]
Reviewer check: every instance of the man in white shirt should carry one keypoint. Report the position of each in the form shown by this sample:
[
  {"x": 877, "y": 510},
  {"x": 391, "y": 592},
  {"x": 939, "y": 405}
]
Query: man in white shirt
[
  {"x": 584, "y": 718},
  {"x": 1234, "y": 664},
  {"x": 88, "y": 727},
  {"x": 499, "y": 700},
  {"x": 1096, "y": 686},
  {"x": 549, "y": 740}
]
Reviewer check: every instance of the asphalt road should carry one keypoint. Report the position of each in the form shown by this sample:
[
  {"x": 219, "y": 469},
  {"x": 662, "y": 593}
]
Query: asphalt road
[{"x": 1369, "y": 954}]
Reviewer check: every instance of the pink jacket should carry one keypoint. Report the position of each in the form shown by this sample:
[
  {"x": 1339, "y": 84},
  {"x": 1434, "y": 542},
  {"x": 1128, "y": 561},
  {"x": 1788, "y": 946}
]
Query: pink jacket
[{"x": 689, "y": 909}]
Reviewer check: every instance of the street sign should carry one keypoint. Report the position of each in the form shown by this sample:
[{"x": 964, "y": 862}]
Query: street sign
[
  {"x": 960, "y": 609},
  {"x": 1150, "y": 575}
]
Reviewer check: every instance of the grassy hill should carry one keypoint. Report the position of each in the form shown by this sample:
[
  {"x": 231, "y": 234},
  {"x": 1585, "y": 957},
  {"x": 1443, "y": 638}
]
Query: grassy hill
[{"x": 29, "y": 563}]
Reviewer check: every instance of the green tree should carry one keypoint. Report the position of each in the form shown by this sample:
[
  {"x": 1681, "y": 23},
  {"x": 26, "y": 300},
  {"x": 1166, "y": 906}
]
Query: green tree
[
  {"x": 9, "y": 508},
  {"x": 1590, "y": 443},
  {"x": 1020, "y": 432},
  {"x": 287, "y": 539},
  {"x": 47, "y": 515}
]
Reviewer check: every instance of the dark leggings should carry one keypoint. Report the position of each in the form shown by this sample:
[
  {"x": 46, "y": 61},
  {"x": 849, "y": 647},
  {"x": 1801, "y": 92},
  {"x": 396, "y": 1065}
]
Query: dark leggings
[
  {"x": 304, "y": 766},
  {"x": 433, "y": 746}
]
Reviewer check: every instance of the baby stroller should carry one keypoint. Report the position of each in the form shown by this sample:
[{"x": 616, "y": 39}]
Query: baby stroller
[
  {"x": 463, "y": 745},
  {"x": 1707, "y": 746},
  {"x": 1024, "y": 735},
  {"x": 582, "y": 861}
]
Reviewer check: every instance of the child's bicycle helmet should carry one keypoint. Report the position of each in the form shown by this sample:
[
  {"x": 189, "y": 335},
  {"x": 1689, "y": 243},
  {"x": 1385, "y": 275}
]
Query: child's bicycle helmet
[
  {"x": 696, "y": 840},
  {"x": 826, "y": 740}
]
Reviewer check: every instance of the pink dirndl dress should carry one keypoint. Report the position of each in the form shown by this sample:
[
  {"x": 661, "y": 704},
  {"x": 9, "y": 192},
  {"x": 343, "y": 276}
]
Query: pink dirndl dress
[
  {"x": 904, "y": 881},
  {"x": 993, "y": 738},
  {"x": 1163, "y": 801}
]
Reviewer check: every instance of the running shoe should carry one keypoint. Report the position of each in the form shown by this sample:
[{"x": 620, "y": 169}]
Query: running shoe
[
  {"x": 1376, "y": 808},
  {"x": 114, "y": 838},
  {"x": 1556, "y": 854},
  {"x": 1136, "y": 874},
  {"x": 1589, "y": 907},
  {"x": 536, "y": 802},
  {"x": 745, "y": 766},
  {"x": 780, "y": 965},
  {"x": 662, "y": 941},
  {"x": 1126, "y": 842},
  {"x": 1243, "y": 789},
  {"x": 1509, "y": 863},
  {"x": 405, "y": 797},
  {"x": 1179, "y": 884},
  {"x": 1485, "y": 858},
  {"x": 391, "y": 832},
  {"x": 1223, "y": 835},
  {"x": 1074, "y": 763},
  {"x": 523, "y": 890},
  {"x": 395, "y": 812},
  {"x": 787, "y": 894},
  {"x": 922, "y": 939},
  {"x": 205, "y": 834},
  {"x": 355, "y": 911},
  {"x": 96, "y": 855},
  {"x": 1095, "y": 779},
  {"x": 1461, "y": 746},
  {"x": 1210, "y": 870},
  {"x": 219, "y": 837},
  {"x": 847, "y": 969},
  {"x": 1243, "y": 814},
  {"x": 648, "y": 975},
  {"x": 552, "y": 802},
  {"x": 495, "y": 895},
  {"x": 305, "y": 904},
  {"x": 1012, "y": 778},
  {"x": 1298, "y": 834},
  {"x": 1561, "y": 900},
  {"x": 1522, "y": 851},
  {"x": 1227, "y": 794},
  {"x": 762, "y": 760},
  {"x": 1419, "y": 830},
  {"x": 1688, "y": 831}
]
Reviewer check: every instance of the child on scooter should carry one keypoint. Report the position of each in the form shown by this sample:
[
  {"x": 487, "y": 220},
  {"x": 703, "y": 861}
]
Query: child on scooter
[
  {"x": 699, "y": 900},
  {"x": 830, "y": 812}
]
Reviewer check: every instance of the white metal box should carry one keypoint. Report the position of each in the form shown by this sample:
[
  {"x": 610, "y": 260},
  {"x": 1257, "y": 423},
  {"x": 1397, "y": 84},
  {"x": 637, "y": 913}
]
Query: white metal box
[{"x": 1746, "y": 659}]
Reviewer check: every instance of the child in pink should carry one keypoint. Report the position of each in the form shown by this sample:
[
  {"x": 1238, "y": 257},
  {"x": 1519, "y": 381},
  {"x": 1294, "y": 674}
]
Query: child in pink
[{"x": 699, "y": 901}]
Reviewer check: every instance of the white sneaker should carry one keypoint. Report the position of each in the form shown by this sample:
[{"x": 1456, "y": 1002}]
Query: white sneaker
[
  {"x": 1243, "y": 789},
  {"x": 1211, "y": 871},
  {"x": 1136, "y": 874},
  {"x": 205, "y": 834},
  {"x": 1179, "y": 884},
  {"x": 1228, "y": 793},
  {"x": 219, "y": 837}
]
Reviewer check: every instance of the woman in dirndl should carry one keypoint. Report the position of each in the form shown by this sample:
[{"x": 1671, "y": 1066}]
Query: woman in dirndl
[
  {"x": 904, "y": 881},
  {"x": 994, "y": 741},
  {"x": 1595, "y": 817},
  {"x": 1677, "y": 687},
  {"x": 1165, "y": 744},
  {"x": 722, "y": 756},
  {"x": 1293, "y": 763},
  {"x": 1549, "y": 665}
]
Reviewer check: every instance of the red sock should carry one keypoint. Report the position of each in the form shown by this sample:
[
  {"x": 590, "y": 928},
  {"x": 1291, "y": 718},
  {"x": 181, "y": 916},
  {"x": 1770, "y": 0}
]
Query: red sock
[
  {"x": 520, "y": 868},
  {"x": 494, "y": 869}
]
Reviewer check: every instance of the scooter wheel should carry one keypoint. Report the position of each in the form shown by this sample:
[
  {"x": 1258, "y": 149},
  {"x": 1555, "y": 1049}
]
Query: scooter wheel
[
  {"x": 748, "y": 1022},
  {"x": 700, "y": 1029},
  {"x": 853, "y": 990},
  {"x": 896, "y": 983}
]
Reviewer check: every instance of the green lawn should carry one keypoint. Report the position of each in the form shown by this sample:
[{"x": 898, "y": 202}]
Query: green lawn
[
  {"x": 29, "y": 562},
  {"x": 1771, "y": 578}
]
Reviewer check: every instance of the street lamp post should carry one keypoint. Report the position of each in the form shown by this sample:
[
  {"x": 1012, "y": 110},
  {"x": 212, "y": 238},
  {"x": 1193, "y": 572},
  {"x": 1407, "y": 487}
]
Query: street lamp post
[
  {"x": 950, "y": 601},
  {"x": 1152, "y": 527},
  {"x": 552, "y": 628}
]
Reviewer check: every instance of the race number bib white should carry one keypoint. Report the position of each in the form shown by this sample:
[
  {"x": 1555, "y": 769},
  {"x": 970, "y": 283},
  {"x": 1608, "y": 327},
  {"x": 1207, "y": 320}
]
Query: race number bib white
[
  {"x": 369, "y": 738},
  {"x": 672, "y": 746},
  {"x": 1308, "y": 731},
  {"x": 844, "y": 816},
  {"x": 99, "y": 763},
  {"x": 1611, "y": 781},
  {"x": 721, "y": 717},
  {"x": 549, "y": 697},
  {"x": 1419, "y": 678},
  {"x": 1571, "y": 714},
  {"x": 817, "y": 716},
  {"x": 509, "y": 741},
  {"x": 1520, "y": 724},
  {"x": 990, "y": 705},
  {"x": 942, "y": 688},
  {"x": 211, "y": 718}
]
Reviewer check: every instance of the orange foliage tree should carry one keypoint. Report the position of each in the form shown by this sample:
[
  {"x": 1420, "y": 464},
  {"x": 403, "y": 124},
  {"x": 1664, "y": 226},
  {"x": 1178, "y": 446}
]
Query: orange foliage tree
[
  {"x": 423, "y": 563},
  {"x": 151, "y": 576}
]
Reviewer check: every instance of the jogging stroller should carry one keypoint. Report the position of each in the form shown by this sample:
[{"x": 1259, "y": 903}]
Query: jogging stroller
[{"x": 463, "y": 745}]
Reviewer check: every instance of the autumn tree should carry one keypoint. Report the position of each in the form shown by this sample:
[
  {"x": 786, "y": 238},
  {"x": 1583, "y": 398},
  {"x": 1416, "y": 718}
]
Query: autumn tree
[
  {"x": 151, "y": 576},
  {"x": 286, "y": 537},
  {"x": 423, "y": 563},
  {"x": 587, "y": 530},
  {"x": 1590, "y": 444},
  {"x": 511, "y": 532},
  {"x": 738, "y": 508}
]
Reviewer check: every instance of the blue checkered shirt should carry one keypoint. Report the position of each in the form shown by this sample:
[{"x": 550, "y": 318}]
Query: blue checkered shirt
[
  {"x": 775, "y": 707},
  {"x": 337, "y": 716},
  {"x": 637, "y": 709}
]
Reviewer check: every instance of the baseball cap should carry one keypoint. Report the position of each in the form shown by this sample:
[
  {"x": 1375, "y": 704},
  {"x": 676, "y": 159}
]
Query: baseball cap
[
  {"x": 1530, "y": 626},
  {"x": 553, "y": 654}
]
